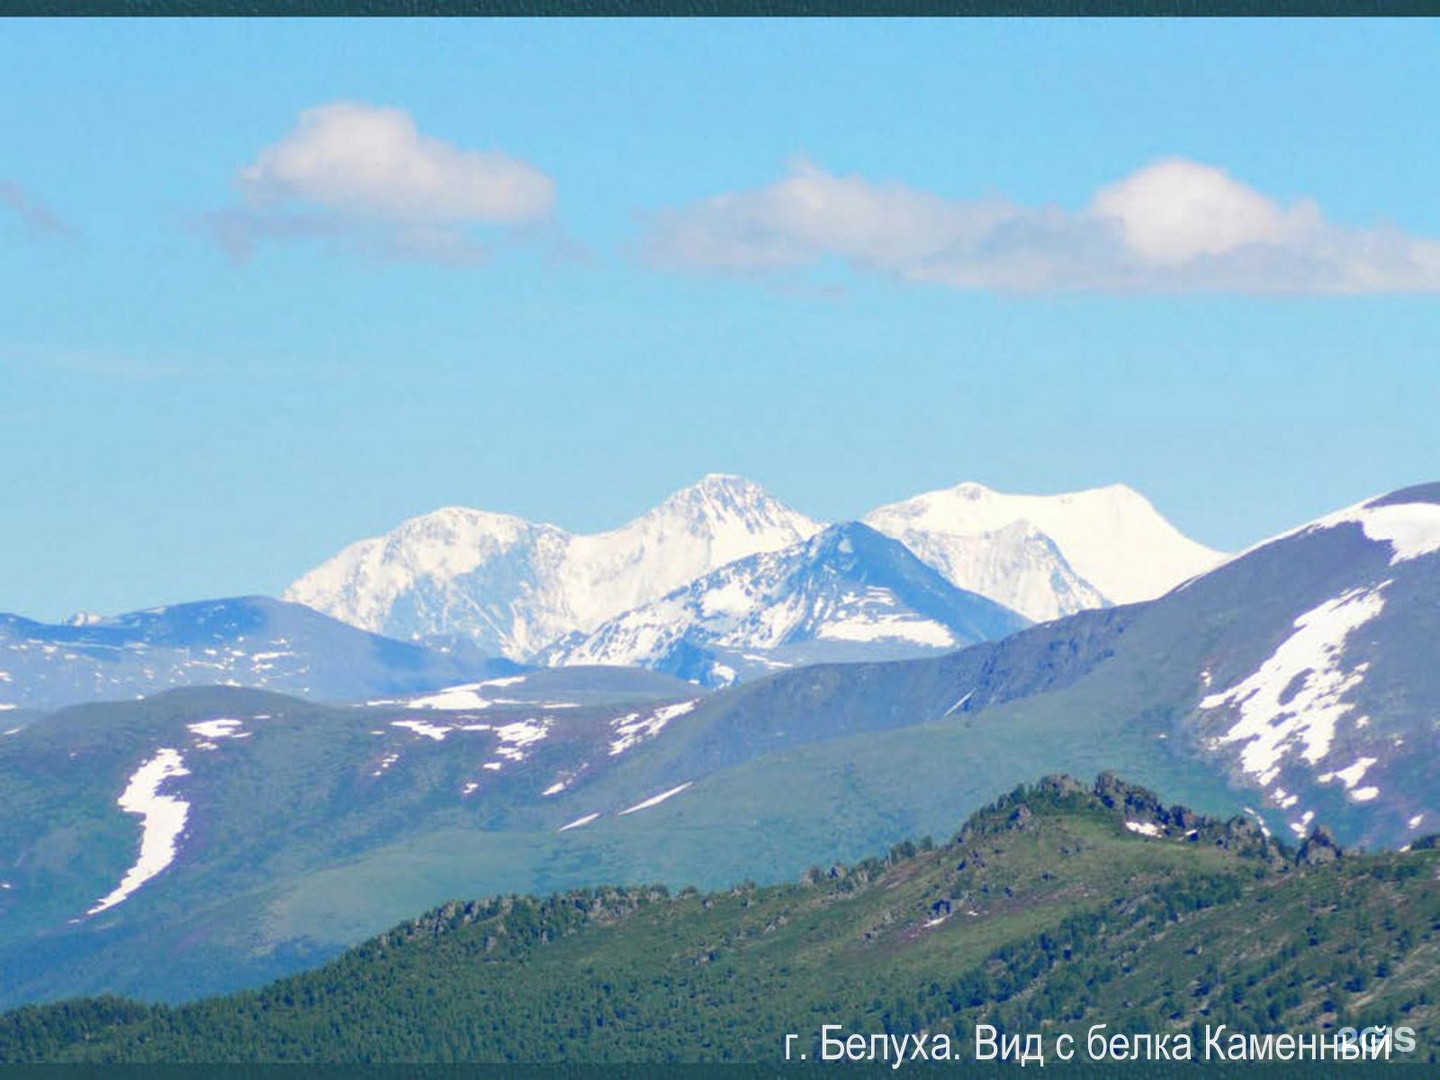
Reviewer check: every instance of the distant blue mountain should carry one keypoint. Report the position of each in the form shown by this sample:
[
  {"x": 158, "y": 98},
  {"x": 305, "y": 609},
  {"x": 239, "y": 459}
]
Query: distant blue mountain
[{"x": 248, "y": 641}]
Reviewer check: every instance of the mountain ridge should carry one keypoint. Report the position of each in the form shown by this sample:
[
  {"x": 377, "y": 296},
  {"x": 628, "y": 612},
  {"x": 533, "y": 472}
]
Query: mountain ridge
[
  {"x": 846, "y": 593},
  {"x": 253, "y": 641},
  {"x": 519, "y": 588}
]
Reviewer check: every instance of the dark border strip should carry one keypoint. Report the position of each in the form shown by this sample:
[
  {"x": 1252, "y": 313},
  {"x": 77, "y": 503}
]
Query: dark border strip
[
  {"x": 723, "y": 8},
  {"x": 1141, "y": 1070}
]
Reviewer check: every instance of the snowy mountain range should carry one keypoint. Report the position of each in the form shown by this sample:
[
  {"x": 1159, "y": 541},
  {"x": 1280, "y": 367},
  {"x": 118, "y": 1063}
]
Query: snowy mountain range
[
  {"x": 1299, "y": 680},
  {"x": 845, "y": 594},
  {"x": 514, "y": 587},
  {"x": 720, "y": 582},
  {"x": 535, "y": 592}
]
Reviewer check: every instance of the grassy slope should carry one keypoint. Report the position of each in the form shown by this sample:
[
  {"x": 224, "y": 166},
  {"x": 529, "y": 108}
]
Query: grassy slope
[
  {"x": 765, "y": 819},
  {"x": 1075, "y": 920}
]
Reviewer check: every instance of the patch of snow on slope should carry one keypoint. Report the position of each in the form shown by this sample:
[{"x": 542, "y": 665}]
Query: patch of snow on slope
[
  {"x": 959, "y": 704},
  {"x": 1144, "y": 828},
  {"x": 465, "y": 696},
  {"x": 1284, "y": 799},
  {"x": 1411, "y": 529},
  {"x": 586, "y": 820},
  {"x": 631, "y": 728},
  {"x": 656, "y": 800},
  {"x": 1299, "y": 828},
  {"x": 1416, "y": 820},
  {"x": 518, "y": 735},
  {"x": 162, "y": 821},
  {"x": 1349, "y": 777},
  {"x": 421, "y": 727},
  {"x": 216, "y": 729},
  {"x": 888, "y": 627},
  {"x": 453, "y": 697},
  {"x": 1260, "y": 821},
  {"x": 1314, "y": 655}
]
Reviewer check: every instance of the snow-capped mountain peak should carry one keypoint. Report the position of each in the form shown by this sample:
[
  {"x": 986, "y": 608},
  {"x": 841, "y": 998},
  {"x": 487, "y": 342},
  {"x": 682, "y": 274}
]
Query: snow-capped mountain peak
[
  {"x": 1047, "y": 555},
  {"x": 844, "y": 593},
  {"x": 513, "y": 586},
  {"x": 388, "y": 584},
  {"x": 695, "y": 530}
]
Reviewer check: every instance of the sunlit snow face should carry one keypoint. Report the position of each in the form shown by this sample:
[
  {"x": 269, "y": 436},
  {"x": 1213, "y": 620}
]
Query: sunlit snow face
[
  {"x": 1309, "y": 667},
  {"x": 432, "y": 575}
]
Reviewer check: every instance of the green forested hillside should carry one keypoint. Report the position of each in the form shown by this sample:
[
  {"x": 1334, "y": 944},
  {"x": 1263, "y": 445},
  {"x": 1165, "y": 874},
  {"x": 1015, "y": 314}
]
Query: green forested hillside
[{"x": 1046, "y": 911}]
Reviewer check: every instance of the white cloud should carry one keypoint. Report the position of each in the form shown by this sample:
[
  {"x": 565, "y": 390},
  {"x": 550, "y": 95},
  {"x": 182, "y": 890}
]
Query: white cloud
[
  {"x": 366, "y": 160},
  {"x": 1174, "y": 225},
  {"x": 1174, "y": 211},
  {"x": 355, "y": 173}
]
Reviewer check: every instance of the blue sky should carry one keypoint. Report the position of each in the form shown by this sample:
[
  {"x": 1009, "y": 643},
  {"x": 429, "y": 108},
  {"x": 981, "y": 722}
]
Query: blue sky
[{"x": 580, "y": 264}]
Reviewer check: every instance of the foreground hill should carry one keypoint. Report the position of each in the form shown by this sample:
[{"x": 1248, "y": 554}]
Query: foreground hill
[{"x": 1058, "y": 906}]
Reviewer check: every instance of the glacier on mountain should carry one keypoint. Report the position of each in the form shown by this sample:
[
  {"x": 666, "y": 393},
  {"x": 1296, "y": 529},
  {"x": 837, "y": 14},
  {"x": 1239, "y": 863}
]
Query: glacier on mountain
[
  {"x": 514, "y": 587},
  {"x": 534, "y": 592},
  {"x": 846, "y": 593},
  {"x": 1046, "y": 556}
]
